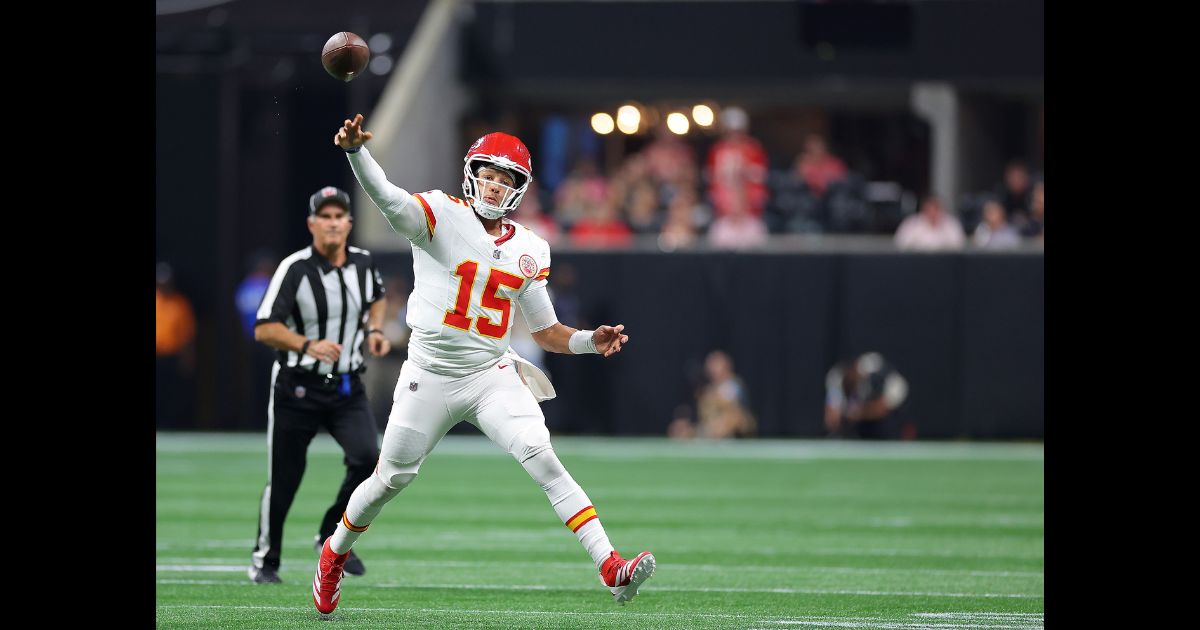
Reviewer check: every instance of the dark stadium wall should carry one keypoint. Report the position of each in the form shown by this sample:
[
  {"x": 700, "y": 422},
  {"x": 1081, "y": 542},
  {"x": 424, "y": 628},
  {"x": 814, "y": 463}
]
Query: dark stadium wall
[{"x": 966, "y": 330}]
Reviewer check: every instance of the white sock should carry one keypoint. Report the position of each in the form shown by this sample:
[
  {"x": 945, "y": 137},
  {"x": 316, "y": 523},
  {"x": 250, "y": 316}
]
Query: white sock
[
  {"x": 365, "y": 504},
  {"x": 575, "y": 510}
]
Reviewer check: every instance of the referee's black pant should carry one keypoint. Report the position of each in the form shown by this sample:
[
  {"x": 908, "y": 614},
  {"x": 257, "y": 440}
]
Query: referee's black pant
[{"x": 301, "y": 403}]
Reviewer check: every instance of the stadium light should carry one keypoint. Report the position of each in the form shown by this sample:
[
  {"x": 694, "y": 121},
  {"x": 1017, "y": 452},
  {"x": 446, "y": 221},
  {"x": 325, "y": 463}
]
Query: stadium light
[
  {"x": 677, "y": 123},
  {"x": 602, "y": 123},
  {"x": 703, "y": 115},
  {"x": 628, "y": 118}
]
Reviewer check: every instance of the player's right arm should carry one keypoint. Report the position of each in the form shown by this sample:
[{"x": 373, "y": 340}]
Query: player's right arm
[{"x": 401, "y": 209}]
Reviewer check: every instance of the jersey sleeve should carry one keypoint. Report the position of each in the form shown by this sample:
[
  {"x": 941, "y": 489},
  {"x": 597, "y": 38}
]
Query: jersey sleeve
[
  {"x": 537, "y": 308},
  {"x": 542, "y": 257},
  {"x": 535, "y": 298},
  {"x": 407, "y": 214}
]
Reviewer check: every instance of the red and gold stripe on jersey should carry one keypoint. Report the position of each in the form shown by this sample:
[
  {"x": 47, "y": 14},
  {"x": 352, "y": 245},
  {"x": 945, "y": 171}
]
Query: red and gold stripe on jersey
[{"x": 430, "y": 220}]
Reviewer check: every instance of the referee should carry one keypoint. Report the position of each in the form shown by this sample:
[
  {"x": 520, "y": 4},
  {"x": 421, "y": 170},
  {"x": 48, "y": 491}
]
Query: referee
[{"x": 313, "y": 314}]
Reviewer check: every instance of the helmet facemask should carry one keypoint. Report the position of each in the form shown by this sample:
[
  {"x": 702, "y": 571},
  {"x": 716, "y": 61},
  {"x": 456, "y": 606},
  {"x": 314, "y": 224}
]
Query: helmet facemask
[{"x": 493, "y": 199}]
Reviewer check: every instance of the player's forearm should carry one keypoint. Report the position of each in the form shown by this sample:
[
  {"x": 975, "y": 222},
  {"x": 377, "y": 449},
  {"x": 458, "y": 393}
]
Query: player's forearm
[
  {"x": 391, "y": 200},
  {"x": 279, "y": 337},
  {"x": 555, "y": 338}
]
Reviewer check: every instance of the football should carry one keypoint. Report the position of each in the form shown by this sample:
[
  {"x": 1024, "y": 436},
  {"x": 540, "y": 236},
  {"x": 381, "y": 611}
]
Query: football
[{"x": 345, "y": 56}]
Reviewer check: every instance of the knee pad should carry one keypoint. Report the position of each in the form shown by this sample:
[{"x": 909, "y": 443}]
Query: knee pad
[
  {"x": 397, "y": 481},
  {"x": 401, "y": 457},
  {"x": 530, "y": 442},
  {"x": 545, "y": 468}
]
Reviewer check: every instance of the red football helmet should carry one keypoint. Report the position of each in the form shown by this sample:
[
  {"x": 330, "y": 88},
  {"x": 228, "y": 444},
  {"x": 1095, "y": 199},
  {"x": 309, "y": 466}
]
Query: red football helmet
[{"x": 497, "y": 151}]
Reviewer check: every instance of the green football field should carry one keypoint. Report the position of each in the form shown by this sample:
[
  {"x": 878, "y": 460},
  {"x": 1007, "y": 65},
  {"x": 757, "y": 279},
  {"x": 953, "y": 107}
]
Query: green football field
[{"x": 748, "y": 534}]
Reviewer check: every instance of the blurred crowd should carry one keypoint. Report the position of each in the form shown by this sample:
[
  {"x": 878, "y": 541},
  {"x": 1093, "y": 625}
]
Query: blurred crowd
[
  {"x": 727, "y": 196},
  {"x": 731, "y": 197}
]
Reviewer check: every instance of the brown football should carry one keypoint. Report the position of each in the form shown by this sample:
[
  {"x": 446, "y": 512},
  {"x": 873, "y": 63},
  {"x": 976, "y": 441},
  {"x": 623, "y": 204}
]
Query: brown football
[{"x": 345, "y": 56}]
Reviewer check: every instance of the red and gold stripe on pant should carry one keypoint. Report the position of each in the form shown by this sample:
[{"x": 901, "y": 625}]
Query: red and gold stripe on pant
[
  {"x": 581, "y": 518},
  {"x": 351, "y": 526}
]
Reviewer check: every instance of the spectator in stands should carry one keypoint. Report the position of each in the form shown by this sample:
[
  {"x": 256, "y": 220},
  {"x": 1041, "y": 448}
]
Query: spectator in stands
[
  {"x": 737, "y": 160},
  {"x": 860, "y": 394},
  {"x": 601, "y": 226},
  {"x": 174, "y": 350},
  {"x": 630, "y": 173},
  {"x": 670, "y": 161},
  {"x": 739, "y": 229},
  {"x": 582, "y": 187},
  {"x": 685, "y": 217},
  {"x": 817, "y": 166},
  {"x": 721, "y": 404},
  {"x": 930, "y": 229},
  {"x": 994, "y": 232},
  {"x": 1015, "y": 192},
  {"x": 643, "y": 210}
]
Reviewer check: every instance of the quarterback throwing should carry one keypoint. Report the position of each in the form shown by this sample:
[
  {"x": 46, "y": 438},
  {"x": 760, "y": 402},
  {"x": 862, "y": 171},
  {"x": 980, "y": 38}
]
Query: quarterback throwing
[{"x": 470, "y": 264}]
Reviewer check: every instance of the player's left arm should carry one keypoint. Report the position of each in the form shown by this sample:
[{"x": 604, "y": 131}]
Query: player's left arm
[
  {"x": 538, "y": 310},
  {"x": 554, "y": 336},
  {"x": 560, "y": 338}
]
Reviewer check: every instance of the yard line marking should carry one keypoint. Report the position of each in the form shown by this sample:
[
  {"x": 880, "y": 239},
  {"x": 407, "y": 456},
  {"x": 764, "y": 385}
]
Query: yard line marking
[
  {"x": 981, "y": 615},
  {"x": 467, "y": 542},
  {"x": 791, "y": 620},
  {"x": 675, "y": 589},
  {"x": 643, "y": 447},
  {"x": 215, "y": 568},
  {"x": 897, "y": 625},
  {"x": 180, "y": 564}
]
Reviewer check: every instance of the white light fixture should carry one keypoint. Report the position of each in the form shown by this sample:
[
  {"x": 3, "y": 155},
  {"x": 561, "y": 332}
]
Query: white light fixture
[
  {"x": 628, "y": 118},
  {"x": 677, "y": 123},
  {"x": 602, "y": 123},
  {"x": 703, "y": 115}
]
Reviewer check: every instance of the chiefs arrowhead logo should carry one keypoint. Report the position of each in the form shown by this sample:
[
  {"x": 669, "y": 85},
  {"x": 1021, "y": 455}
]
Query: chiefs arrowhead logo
[{"x": 528, "y": 266}]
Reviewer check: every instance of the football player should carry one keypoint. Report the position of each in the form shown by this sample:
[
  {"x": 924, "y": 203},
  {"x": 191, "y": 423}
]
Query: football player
[{"x": 470, "y": 263}]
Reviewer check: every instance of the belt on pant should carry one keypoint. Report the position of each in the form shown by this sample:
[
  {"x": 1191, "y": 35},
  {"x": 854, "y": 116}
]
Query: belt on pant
[{"x": 331, "y": 381}]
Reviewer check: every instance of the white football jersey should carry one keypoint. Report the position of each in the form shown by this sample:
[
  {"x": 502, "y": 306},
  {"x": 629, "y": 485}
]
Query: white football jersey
[
  {"x": 466, "y": 285},
  {"x": 466, "y": 280}
]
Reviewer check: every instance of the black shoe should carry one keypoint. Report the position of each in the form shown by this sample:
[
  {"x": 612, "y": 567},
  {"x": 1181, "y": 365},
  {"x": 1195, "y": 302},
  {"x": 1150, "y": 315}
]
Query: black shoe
[
  {"x": 265, "y": 575},
  {"x": 354, "y": 566}
]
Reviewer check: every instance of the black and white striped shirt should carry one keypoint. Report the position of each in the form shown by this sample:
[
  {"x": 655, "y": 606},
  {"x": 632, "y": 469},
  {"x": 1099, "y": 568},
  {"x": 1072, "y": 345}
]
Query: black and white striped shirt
[{"x": 315, "y": 299}]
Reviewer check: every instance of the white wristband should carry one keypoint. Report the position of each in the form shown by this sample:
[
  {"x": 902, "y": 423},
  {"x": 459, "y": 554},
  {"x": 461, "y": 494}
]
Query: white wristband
[{"x": 581, "y": 342}]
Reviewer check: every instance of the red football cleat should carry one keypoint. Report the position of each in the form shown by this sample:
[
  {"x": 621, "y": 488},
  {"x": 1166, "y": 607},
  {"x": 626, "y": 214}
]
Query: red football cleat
[
  {"x": 327, "y": 583},
  {"x": 623, "y": 577}
]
